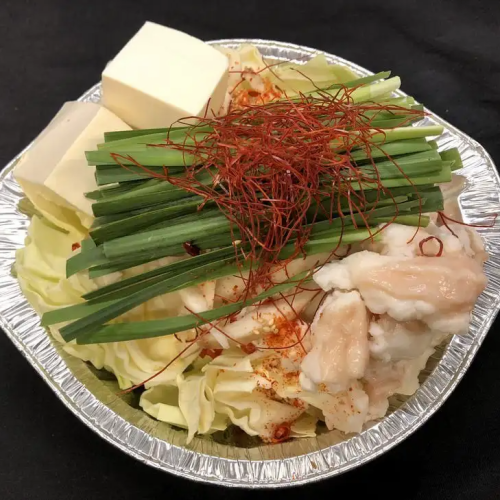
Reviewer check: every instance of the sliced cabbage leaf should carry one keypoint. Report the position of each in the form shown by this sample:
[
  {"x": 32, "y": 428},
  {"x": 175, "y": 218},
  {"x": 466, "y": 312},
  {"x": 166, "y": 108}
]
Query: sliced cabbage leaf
[
  {"x": 41, "y": 268},
  {"x": 63, "y": 217},
  {"x": 315, "y": 73},
  {"x": 196, "y": 403},
  {"x": 289, "y": 77},
  {"x": 304, "y": 426},
  {"x": 186, "y": 406},
  {"x": 254, "y": 412},
  {"x": 161, "y": 402},
  {"x": 237, "y": 394}
]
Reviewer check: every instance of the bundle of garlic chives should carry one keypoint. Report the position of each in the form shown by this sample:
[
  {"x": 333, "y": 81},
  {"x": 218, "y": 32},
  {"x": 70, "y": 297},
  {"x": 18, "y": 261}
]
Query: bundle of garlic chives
[{"x": 142, "y": 216}]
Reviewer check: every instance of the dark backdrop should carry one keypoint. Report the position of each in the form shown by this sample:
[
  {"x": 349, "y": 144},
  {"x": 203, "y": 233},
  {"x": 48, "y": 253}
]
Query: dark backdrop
[{"x": 447, "y": 54}]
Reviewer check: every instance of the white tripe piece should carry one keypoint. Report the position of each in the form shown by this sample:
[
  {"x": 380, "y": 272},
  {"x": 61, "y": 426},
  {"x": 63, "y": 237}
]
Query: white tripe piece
[
  {"x": 404, "y": 241},
  {"x": 466, "y": 241},
  {"x": 391, "y": 340},
  {"x": 384, "y": 379},
  {"x": 439, "y": 291},
  {"x": 339, "y": 337}
]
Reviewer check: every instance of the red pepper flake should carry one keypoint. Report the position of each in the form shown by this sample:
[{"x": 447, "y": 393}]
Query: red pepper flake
[
  {"x": 288, "y": 336},
  {"x": 248, "y": 348},
  {"x": 253, "y": 93},
  {"x": 282, "y": 433},
  {"x": 297, "y": 403},
  {"x": 291, "y": 378},
  {"x": 75, "y": 246},
  {"x": 211, "y": 353},
  {"x": 426, "y": 240},
  {"x": 191, "y": 249}
]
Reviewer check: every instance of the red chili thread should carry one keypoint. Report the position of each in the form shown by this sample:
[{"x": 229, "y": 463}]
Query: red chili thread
[
  {"x": 445, "y": 218},
  {"x": 268, "y": 205},
  {"x": 426, "y": 240}
]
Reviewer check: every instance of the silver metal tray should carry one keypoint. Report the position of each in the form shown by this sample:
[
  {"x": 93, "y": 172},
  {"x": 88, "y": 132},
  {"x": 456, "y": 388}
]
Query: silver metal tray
[{"x": 302, "y": 461}]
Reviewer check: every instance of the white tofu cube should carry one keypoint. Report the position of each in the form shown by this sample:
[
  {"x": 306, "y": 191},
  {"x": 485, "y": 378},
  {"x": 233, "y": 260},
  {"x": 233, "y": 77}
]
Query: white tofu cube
[
  {"x": 163, "y": 75},
  {"x": 54, "y": 173}
]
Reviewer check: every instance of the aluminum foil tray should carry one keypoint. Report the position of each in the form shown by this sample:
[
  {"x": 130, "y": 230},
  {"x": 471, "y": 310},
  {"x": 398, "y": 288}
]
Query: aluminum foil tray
[{"x": 95, "y": 402}]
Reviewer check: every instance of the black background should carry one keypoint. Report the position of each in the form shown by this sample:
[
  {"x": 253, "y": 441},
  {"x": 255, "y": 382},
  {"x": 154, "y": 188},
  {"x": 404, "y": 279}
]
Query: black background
[{"x": 447, "y": 54}]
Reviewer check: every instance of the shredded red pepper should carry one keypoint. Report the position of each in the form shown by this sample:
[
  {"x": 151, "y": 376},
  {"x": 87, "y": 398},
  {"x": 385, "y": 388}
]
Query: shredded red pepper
[
  {"x": 426, "y": 240},
  {"x": 277, "y": 166},
  {"x": 446, "y": 218}
]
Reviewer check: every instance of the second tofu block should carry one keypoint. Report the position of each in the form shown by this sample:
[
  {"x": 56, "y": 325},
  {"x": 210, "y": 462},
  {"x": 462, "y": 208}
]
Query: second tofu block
[{"x": 163, "y": 75}]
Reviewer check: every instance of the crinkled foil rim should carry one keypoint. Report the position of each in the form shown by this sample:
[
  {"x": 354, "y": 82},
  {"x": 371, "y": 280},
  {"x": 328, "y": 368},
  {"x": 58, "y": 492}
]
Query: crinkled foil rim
[{"x": 298, "y": 462}]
